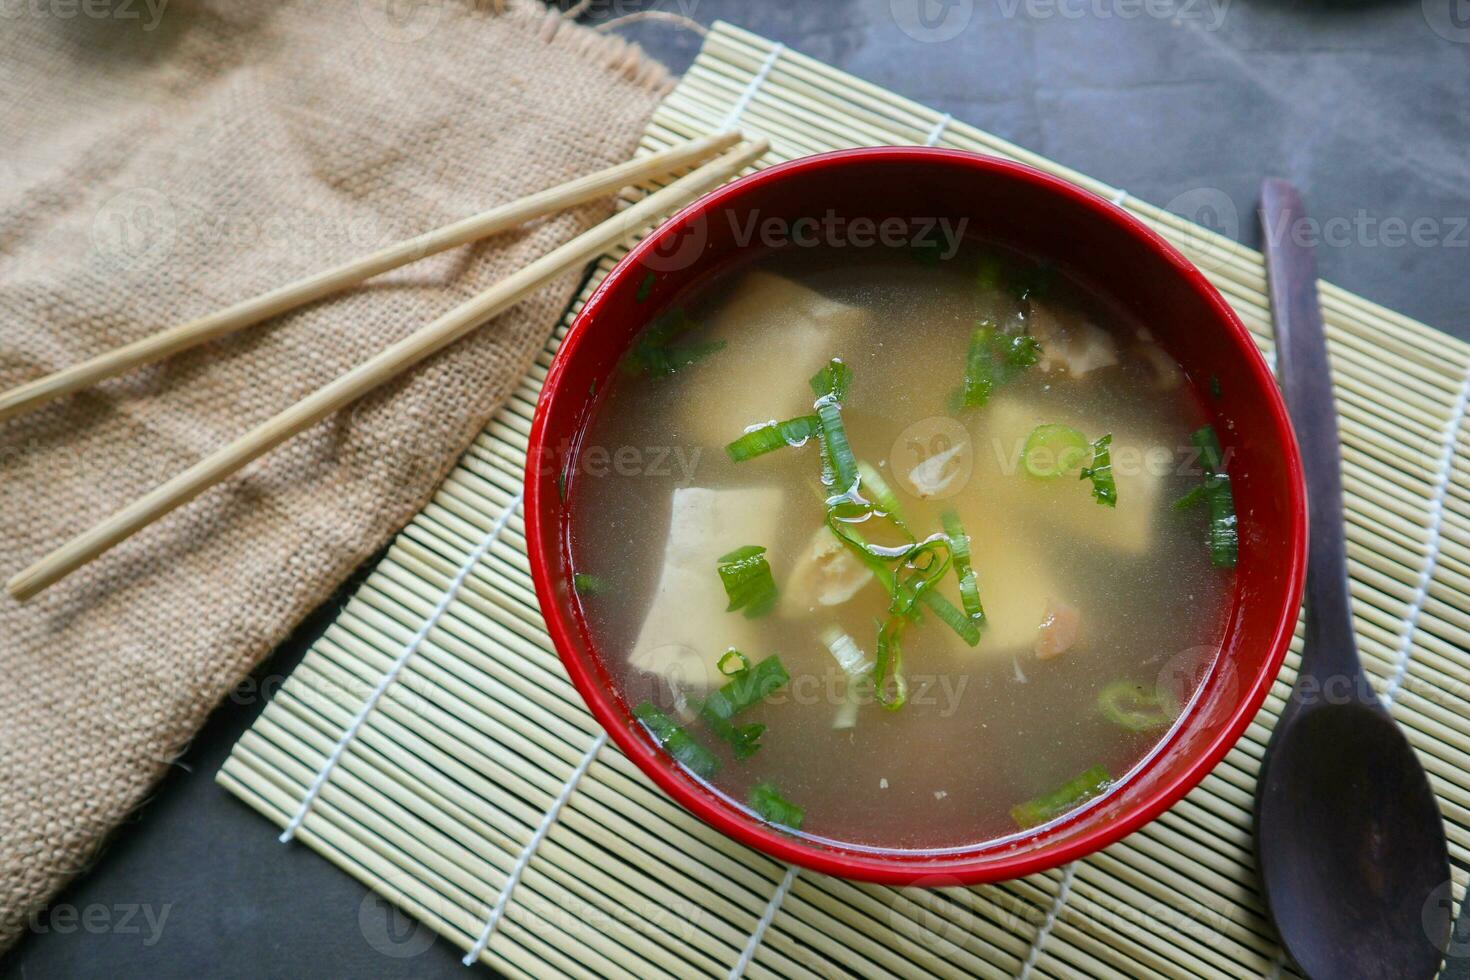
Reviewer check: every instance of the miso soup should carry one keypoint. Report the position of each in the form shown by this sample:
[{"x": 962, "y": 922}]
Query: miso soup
[{"x": 902, "y": 553}]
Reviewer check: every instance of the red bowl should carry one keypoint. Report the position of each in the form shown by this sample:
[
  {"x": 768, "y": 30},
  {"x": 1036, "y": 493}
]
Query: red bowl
[{"x": 1096, "y": 242}]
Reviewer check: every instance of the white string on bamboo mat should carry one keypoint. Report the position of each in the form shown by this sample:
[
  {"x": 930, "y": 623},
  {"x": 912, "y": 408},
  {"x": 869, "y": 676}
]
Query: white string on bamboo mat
[
  {"x": 1410, "y": 622},
  {"x": 759, "y": 932},
  {"x": 1049, "y": 922},
  {"x": 529, "y": 851},
  {"x": 743, "y": 102},
  {"x": 937, "y": 133},
  {"x": 408, "y": 651},
  {"x": 1120, "y": 197}
]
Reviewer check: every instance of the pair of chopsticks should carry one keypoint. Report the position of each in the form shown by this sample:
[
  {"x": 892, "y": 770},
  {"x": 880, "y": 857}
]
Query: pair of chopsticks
[{"x": 390, "y": 362}]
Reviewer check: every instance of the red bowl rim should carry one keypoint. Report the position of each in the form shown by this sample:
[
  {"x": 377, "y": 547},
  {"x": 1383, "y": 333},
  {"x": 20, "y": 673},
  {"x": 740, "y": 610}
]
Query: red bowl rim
[{"x": 908, "y": 868}]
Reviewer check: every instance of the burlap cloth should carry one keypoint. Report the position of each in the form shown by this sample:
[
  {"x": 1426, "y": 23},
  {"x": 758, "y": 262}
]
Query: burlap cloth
[{"x": 149, "y": 175}]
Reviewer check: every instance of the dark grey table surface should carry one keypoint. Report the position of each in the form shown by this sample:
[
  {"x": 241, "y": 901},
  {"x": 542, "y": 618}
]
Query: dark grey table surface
[{"x": 1187, "y": 103}]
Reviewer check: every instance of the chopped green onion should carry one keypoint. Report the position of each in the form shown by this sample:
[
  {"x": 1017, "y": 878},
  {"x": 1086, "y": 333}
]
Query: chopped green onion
[
  {"x": 927, "y": 569},
  {"x": 1191, "y": 498},
  {"x": 746, "y": 576},
  {"x": 1136, "y": 707},
  {"x": 741, "y": 661},
  {"x": 747, "y": 685},
  {"x": 855, "y": 665},
  {"x": 773, "y": 436},
  {"x": 959, "y": 549},
  {"x": 774, "y": 808},
  {"x": 882, "y": 493},
  {"x": 676, "y": 741},
  {"x": 745, "y": 688},
  {"x": 1100, "y": 472},
  {"x": 994, "y": 358},
  {"x": 834, "y": 442},
  {"x": 654, "y": 354},
  {"x": 1069, "y": 796},
  {"x": 967, "y": 628},
  {"x": 979, "y": 376},
  {"x": 1052, "y": 450},
  {"x": 1224, "y": 531},
  {"x": 1208, "y": 443},
  {"x": 587, "y": 584},
  {"x": 561, "y": 486},
  {"x": 846, "y": 652},
  {"x": 991, "y": 273},
  {"x": 645, "y": 288},
  {"x": 1215, "y": 389},
  {"x": 833, "y": 381},
  {"x": 888, "y": 672}
]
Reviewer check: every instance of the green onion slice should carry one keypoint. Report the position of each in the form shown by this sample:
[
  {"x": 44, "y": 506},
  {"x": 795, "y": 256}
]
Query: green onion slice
[
  {"x": 775, "y": 808},
  {"x": 1136, "y": 707},
  {"x": 1069, "y": 796},
  {"x": 833, "y": 381},
  {"x": 882, "y": 493},
  {"x": 979, "y": 376},
  {"x": 890, "y": 689},
  {"x": 746, "y": 575},
  {"x": 676, "y": 741},
  {"x": 1224, "y": 530},
  {"x": 959, "y": 549},
  {"x": 733, "y": 656},
  {"x": 759, "y": 440},
  {"x": 587, "y": 585},
  {"x": 1052, "y": 450},
  {"x": 919, "y": 573},
  {"x": 654, "y": 354},
  {"x": 994, "y": 358},
  {"x": 645, "y": 287},
  {"x": 834, "y": 442},
  {"x": 745, "y": 688},
  {"x": 1100, "y": 472}
]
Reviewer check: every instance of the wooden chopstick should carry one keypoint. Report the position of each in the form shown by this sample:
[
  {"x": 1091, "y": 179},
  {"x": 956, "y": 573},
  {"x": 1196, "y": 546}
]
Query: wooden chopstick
[
  {"x": 167, "y": 342},
  {"x": 373, "y": 372}
]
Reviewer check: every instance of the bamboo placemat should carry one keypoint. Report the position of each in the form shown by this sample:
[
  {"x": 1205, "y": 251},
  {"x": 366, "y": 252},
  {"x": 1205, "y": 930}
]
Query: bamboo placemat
[{"x": 431, "y": 746}]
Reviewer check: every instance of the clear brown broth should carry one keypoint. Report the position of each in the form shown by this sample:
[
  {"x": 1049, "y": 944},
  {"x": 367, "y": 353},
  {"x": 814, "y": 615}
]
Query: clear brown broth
[{"x": 984, "y": 728}]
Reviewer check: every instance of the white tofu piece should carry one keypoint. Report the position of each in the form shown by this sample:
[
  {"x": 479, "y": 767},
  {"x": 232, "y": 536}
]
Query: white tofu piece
[
  {"x": 687, "y": 628},
  {"x": 1066, "y": 500},
  {"x": 800, "y": 330}
]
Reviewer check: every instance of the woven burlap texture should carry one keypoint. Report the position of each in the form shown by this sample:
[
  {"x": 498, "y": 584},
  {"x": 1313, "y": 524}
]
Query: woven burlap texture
[{"x": 158, "y": 168}]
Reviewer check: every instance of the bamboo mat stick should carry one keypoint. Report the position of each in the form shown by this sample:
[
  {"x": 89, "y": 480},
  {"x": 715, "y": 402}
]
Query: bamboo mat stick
[
  {"x": 165, "y": 343},
  {"x": 371, "y": 373}
]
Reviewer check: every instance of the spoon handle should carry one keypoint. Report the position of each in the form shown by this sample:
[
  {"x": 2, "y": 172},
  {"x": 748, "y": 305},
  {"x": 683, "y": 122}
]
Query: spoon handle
[{"x": 1306, "y": 381}]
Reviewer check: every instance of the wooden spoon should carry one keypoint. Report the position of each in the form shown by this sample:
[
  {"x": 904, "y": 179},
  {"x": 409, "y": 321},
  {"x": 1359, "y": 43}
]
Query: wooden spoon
[{"x": 1349, "y": 840}]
